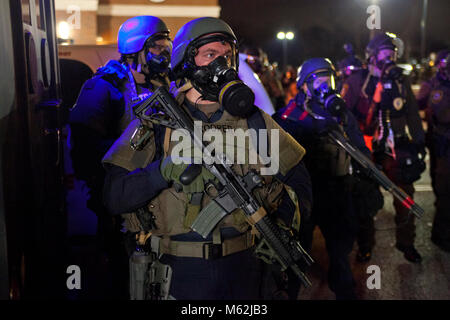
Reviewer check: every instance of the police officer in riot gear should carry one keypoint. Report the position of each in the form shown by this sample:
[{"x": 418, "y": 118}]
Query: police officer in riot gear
[
  {"x": 434, "y": 97},
  {"x": 103, "y": 110},
  {"x": 205, "y": 63},
  {"x": 350, "y": 64},
  {"x": 385, "y": 105},
  {"x": 317, "y": 109},
  {"x": 423, "y": 97},
  {"x": 366, "y": 203}
]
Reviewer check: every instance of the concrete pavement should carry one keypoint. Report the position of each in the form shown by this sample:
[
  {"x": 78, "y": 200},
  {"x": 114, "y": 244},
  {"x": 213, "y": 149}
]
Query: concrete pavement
[{"x": 400, "y": 279}]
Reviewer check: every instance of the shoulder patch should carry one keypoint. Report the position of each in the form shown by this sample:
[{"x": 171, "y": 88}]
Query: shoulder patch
[
  {"x": 436, "y": 96},
  {"x": 398, "y": 103},
  {"x": 113, "y": 67}
]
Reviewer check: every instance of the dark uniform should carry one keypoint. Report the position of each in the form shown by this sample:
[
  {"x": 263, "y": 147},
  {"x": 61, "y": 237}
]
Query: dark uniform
[
  {"x": 399, "y": 152},
  {"x": 366, "y": 202},
  {"x": 99, "y": 116},
  {"x": 435, "y": 94},
  {"x": 232, "y": 271},
  {"x": 329, "y": 167}
]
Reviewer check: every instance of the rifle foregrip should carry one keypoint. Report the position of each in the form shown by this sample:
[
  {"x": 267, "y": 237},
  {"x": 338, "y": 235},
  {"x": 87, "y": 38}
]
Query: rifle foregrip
[{"x": 279, "y": 242}]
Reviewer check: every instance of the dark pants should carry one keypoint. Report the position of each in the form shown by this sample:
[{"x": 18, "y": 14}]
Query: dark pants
[
  {"x": 110, "y": 241},
  {"x": 441, "y": 223},
  {"x": 367, "y": 201},
  {"x": 406, "y": 229},
  {"x": 333, "y": 212},
  {"x": 366, "y": 231},
  {"x": 234, "y": 277}
]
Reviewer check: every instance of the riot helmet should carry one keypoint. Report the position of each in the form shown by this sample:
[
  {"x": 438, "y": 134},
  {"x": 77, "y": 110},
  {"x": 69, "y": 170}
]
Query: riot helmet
[
  {"x": 315, "y": 68},
  {"x": 142, "y": 34},
  {"x": 385, "y": 42},
  {"x": 254, "y": 57},
  {"x": 349, "y": 65},
  {"x": 319, "y": 75}
]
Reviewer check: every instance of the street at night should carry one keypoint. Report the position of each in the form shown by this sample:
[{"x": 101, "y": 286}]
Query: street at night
[
  {"x": 222, "y": 151},
  {"x": 400, "y": 279}
]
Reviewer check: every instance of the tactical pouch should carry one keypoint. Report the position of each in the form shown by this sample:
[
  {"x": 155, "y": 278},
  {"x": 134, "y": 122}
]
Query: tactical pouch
[
  {"x": 408, "y": 166},
  {"x": 139, "y": 265}
]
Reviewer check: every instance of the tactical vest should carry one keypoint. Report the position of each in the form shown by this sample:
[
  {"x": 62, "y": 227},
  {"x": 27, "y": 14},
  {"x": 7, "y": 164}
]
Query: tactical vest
[
  {"x": 324, "y": 157},
  {"x": 327, "y": 159},
  {"x": 171, "y": 208}
]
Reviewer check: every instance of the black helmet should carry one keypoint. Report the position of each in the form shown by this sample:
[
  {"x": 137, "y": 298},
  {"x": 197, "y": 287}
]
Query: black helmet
[
  {"x": 134, "y": 32},
  {"x": 382, "y": 41},
  {"x": 314, "y": 66},
  {"x": 255, "y": 57},
  {"x": 350, "y": 62},
  {"x": 441, "y": 55},
  {"x": 189, "y": 38}
]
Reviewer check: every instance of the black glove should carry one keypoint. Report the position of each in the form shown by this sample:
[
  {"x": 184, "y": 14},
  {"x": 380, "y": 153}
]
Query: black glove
[
  {"x": 324, "y": 122},
  {"x": 323, "y": 126}
]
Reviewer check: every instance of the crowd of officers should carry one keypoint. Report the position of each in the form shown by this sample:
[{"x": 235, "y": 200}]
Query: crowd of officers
[{"x": 137, "y": 194}]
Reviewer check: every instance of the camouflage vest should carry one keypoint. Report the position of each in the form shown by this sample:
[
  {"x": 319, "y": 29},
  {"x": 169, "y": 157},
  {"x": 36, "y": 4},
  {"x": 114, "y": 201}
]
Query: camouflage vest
[{"x": 171, "y": 208}]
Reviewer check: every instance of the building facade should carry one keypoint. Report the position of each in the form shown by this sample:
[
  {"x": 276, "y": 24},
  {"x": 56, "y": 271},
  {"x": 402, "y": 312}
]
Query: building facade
[{"x": 97, "y": 21}]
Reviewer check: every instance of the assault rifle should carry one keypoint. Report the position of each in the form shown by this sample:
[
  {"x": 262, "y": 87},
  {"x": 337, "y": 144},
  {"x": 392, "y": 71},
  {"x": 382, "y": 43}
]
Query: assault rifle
[
  {"x": 276, "y": 244},
  {"x": 371, "y": 170}
]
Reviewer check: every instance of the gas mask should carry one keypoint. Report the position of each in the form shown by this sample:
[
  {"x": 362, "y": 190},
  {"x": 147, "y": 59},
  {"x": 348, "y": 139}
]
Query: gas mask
[
  {"x": 327, "y": 96},
  {"x": 219, "y": 82},
  {"x": 158, "y": 63},
  {"x": 389, "y": 69}
]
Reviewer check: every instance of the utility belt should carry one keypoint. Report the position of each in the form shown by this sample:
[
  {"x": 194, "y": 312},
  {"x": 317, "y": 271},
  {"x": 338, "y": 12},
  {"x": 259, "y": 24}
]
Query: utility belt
[{"x": 209, "y": 250}]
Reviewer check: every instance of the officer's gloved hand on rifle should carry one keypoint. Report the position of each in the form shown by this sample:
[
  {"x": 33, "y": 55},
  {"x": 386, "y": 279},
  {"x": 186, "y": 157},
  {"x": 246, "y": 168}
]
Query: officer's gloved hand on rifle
[
  {"x": 321, "y": 122},
  {"x": 185, "y": 175},
  {"x": 322, "y": 127}
]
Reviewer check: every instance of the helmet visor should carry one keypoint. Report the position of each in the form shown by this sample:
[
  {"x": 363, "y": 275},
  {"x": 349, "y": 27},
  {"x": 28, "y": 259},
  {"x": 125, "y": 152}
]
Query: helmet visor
[{"x": 317, "y": 79}]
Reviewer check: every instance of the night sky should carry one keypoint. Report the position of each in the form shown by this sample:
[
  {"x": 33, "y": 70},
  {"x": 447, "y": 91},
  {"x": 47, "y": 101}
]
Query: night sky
[{"x": 321, "y": 27}]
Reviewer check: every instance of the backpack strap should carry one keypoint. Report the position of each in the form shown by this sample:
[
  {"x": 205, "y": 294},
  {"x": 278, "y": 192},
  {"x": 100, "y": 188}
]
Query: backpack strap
[{"x": 256, "y": 122}]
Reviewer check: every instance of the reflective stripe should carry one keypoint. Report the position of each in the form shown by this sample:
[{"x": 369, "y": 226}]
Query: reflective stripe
[{"x": 225, "y": 88}]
